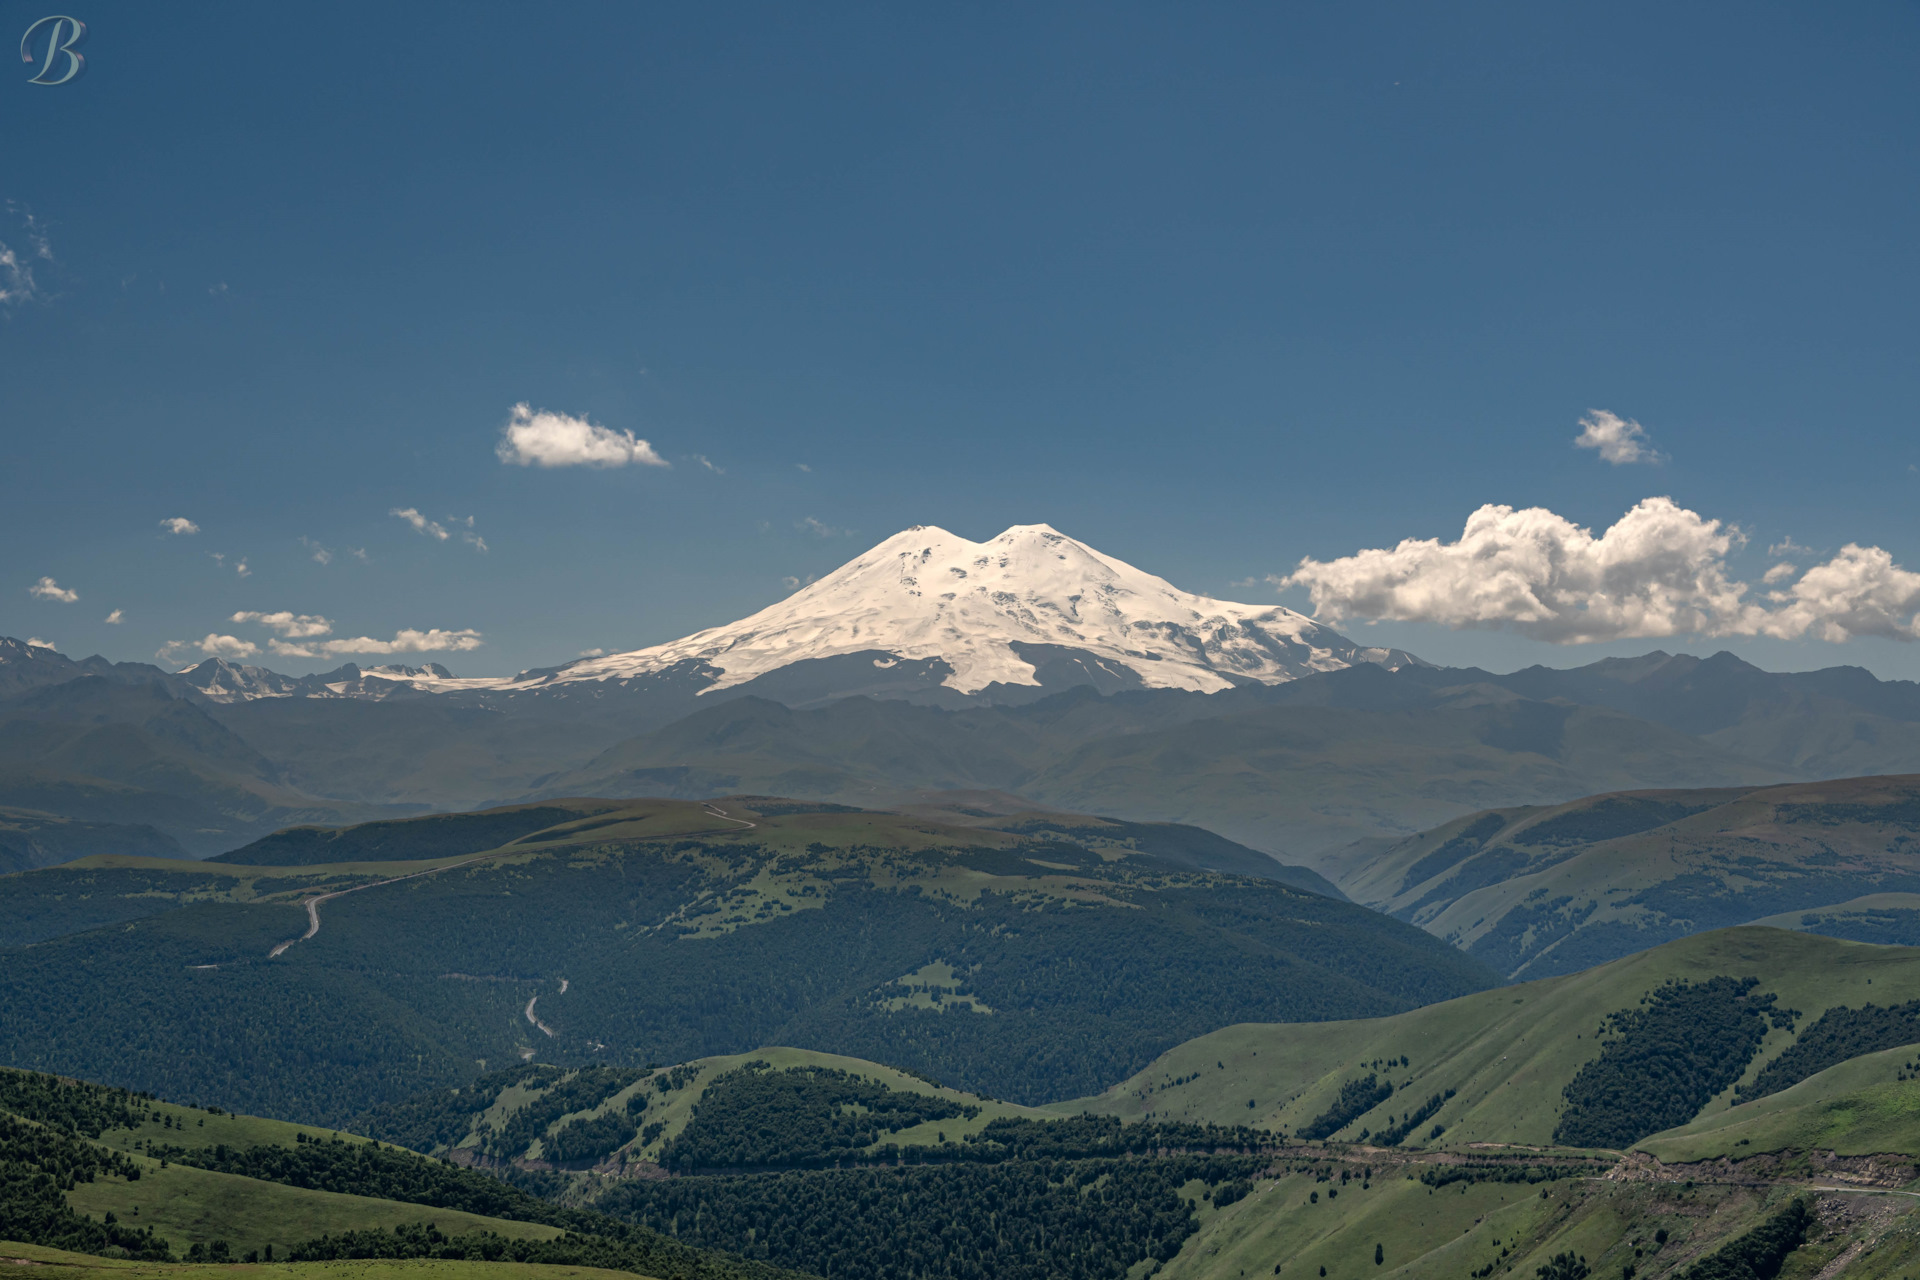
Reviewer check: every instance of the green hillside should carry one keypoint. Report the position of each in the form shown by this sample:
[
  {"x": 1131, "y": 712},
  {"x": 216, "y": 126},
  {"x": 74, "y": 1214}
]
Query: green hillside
[
  {"x": 58, "y": 1264},
  {"x": 1864, "y": 1106},
  {"x": 121, "y": 1175},
  {"x": 524, "y": 1115},
  {"x": 1507, "y": 1054},
  {"x": 1027, "y": 964},
  {"x": 1550, "y": 889}
]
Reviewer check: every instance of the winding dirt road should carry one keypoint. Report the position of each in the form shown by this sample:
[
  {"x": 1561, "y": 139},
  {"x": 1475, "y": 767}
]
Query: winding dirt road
[{"x": 313, "y": 904}]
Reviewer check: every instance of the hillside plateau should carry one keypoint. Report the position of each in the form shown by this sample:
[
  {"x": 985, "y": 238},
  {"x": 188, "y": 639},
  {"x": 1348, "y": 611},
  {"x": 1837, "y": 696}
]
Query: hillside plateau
[
  {"x": 1500, "y": 1063},
  {"x": 1040, "y": 959}
]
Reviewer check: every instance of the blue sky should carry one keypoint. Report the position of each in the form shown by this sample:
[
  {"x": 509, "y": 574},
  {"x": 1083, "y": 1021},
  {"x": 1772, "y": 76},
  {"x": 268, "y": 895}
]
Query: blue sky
[{"x": 1211, "y": 288}]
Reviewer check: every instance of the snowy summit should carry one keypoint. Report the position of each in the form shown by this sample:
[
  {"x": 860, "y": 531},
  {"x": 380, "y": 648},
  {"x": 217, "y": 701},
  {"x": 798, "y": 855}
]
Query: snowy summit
[{"x": 991, "y": 610}]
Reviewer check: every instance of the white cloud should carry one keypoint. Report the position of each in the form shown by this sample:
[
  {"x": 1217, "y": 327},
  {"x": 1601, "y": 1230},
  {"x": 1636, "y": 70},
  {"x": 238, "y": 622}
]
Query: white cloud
[
  {"x": 48, "y": 589},
  {"x": 1787, "y": 547},
  {"x": 422, "y": 525},
  {"x": 547, "y": 439},
  {"x": 297, "y": 626},
  {"x": 1661, "y": 570},
  {"x": 1779, "y": 573},
  {"x": 211, "y": 645},
  {"x": 321, "y": 555},
  {"x": 803, "y": 466},
  {"x": 242, "y": 569},
  {"x": 405, "y": 641},
  {"x": 593, "y": 653},
  {"x": 1860, "y": 592},
  {"x": 35, "y": 642},
  {"x": 708, "y": 463},
  {"x": 179, "y": 524},
  {"x": 17, "y": 284},
  {"x": 1619, "y": 440},
  {"x": 819, "y": 529},
  {"x": 115, "y": 618}
]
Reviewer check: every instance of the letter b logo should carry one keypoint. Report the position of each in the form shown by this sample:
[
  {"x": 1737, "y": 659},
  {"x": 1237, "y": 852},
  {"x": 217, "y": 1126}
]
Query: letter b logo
[{"x": 63, "y": 62}]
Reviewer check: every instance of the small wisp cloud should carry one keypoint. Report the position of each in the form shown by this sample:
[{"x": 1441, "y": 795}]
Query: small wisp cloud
[
  {"x": 543, "y": 438},
  {"x": 1660, "y": 570},
  {"x": 1620, "y": 441},
  {"x": 179, "y": 525},
  {"x": 48, "y": 589},
  {"x": 431, "y": 529}
]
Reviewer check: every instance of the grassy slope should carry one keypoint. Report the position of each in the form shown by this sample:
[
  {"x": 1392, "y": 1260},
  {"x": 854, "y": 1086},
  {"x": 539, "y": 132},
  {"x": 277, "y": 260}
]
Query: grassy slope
[
  {"x": 1508, "y": 1051},
  {"x": 57, "y": 1264},
  {"x": 1858, "y": 1107},
  {"x": 674, "y": 1109},
  {"x": 189, "y": 1206},
  {"x": 1443, "y": 1234}
]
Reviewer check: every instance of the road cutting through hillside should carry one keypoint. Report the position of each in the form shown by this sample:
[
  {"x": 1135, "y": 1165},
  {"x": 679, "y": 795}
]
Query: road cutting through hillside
[
  {"x": 313, "y": 904},
  {"x": 721, "y": 814}
]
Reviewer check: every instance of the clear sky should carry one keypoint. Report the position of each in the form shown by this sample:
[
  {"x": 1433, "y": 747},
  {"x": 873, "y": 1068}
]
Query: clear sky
[{"x": 1212, "y": 288}]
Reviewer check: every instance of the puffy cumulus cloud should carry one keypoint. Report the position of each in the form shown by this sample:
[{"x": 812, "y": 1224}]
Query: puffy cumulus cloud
[
  {"x": 422, "y": 525},
  {"x": 1618, "y": 440},
  {"x": 297, "y": 626},
  {"x": 48, "y": 589},
  {"x": 434, "y": 640},
  {"x": 1860, "y": 592},
  {"x": 211, "y": 645},
  {"x": 179, "y": 524},
  {"x": 1660, "y": 570},
  {"x": 35, "y": 642},
  {"x": 543, "y": 438}
]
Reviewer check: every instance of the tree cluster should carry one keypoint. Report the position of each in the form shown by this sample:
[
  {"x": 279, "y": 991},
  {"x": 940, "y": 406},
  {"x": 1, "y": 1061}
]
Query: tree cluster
[
  {"x": 1357, "y": 1097},
  {"x": 1665, "y": 1060},
  {"x": 1761, "y": 1252},
  {"x": 800, "y": 1117},
  {"x": 1838, "y": 1034},
  {"x": 1016, "y": 1220},
  {"x": 39, "y": 1164}
]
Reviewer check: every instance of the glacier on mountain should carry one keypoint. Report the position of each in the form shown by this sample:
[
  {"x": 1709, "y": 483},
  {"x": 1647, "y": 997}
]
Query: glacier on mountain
[{"x": 926, "y": 593}]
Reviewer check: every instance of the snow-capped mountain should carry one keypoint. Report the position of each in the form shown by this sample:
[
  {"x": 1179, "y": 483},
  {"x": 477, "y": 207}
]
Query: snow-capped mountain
[
  {"x": 1006, "y": 613},
  {"x": 926, "y": 615},
  {"x": 223, "y": 681}
]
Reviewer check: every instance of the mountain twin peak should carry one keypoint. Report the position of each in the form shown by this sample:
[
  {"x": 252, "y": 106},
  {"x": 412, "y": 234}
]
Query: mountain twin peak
[
  {"x": 1031, "y": 607},
  {"x": 926, "y": 615}
]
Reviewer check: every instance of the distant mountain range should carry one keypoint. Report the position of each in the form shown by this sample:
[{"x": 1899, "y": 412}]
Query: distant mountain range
[
  {"x": 1030, "y": 664},
  {"x": 1551, "y": 889}
]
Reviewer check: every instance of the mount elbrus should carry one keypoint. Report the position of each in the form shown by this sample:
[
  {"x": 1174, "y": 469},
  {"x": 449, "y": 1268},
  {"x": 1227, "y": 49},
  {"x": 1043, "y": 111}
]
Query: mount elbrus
[
  {"x": 1028, "y": 664},
  {"x": 928, "y": 613}
]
